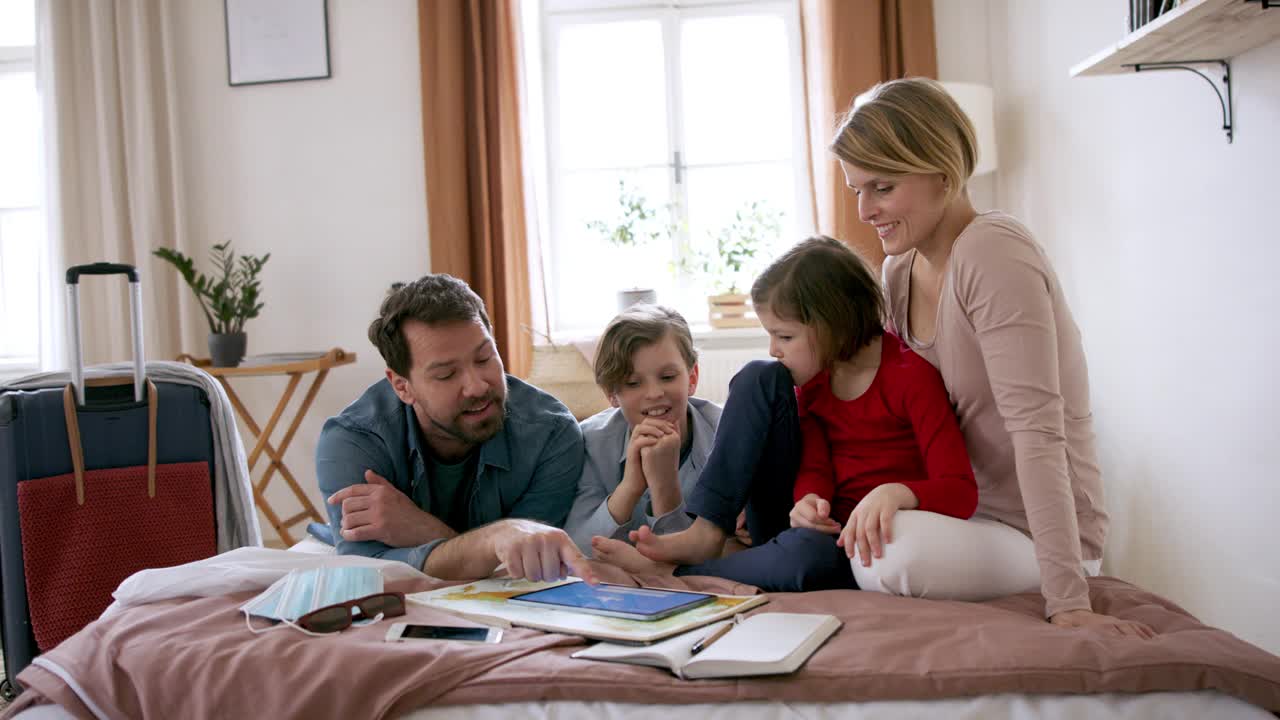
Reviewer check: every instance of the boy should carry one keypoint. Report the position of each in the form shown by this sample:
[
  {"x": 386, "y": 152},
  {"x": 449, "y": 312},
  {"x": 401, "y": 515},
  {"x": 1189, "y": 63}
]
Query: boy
[{"x": 645, "y": 453}]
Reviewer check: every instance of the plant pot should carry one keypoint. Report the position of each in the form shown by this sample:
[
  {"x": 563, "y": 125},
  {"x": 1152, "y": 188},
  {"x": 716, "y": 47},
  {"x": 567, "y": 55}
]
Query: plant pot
[
  {"x": 731, "y": 310},
  {"x": 635, "y": 296},
  {"x": 227, "y": 349}
]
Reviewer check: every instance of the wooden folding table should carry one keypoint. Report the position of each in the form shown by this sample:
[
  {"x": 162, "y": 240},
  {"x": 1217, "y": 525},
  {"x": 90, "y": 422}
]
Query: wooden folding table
[{"x": 295, "y": 366}]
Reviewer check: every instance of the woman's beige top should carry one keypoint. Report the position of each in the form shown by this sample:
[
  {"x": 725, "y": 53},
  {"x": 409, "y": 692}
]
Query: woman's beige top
[{"x": 1013, "y": 363}]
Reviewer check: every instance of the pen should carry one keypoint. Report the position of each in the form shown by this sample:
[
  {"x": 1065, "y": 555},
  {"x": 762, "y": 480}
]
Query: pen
[{"x": 705, "y": 642}]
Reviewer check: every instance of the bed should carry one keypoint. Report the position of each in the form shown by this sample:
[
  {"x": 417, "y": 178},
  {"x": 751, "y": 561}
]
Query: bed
[
  {"x": 1148, "y": 706},
  {"x": 894, "y": 658}
]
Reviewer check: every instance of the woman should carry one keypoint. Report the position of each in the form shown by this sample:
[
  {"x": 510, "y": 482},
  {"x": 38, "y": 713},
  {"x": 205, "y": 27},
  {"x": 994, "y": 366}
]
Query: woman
[{"x": 975, "y": 295}]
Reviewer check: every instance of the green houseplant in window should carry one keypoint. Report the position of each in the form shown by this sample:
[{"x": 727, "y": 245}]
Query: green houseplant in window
[
  {"x": 728, "y": 269},
  {"x": 634, "y": 225},
  {"x": 229, "y": 297}
]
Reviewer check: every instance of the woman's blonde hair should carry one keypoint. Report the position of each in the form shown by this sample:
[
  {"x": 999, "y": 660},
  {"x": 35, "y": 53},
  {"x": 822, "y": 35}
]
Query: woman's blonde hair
[{"x": 909, "y": 127}]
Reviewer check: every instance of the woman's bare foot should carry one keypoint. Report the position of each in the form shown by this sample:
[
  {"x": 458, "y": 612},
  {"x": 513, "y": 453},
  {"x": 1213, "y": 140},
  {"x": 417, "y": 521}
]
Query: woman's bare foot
[
  {"x": 701, "y": 542},
  {"x": 620, "y": 554}
]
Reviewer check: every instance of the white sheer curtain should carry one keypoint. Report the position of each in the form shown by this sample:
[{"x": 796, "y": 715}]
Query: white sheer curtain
[
  {"x": 107, "y": 80},
  {"x": 533, "y": 132}
]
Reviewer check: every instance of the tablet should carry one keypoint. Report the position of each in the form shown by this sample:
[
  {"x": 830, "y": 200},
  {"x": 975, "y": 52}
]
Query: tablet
[{"x": 632, "y": 603}]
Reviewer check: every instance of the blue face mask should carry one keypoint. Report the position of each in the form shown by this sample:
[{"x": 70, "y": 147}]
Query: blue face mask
[{"x": 300, "y": 592}]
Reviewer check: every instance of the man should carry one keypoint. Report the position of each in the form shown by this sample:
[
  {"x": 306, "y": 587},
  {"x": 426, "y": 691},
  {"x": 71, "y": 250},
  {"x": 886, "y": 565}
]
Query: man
[{"x": 448, "y": 464}]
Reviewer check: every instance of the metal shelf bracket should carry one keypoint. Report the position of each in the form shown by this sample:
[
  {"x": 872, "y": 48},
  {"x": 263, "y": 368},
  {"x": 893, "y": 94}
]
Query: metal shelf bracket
[{"x": 1225, "y": 66}]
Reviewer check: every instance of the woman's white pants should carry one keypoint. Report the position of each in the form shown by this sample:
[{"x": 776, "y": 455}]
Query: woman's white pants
[{"x": 944, "y": 558}]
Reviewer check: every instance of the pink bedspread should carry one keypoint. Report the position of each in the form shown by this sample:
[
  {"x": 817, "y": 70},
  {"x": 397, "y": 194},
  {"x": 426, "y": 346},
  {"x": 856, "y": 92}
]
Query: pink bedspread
[{"x": 195, "y": 658}]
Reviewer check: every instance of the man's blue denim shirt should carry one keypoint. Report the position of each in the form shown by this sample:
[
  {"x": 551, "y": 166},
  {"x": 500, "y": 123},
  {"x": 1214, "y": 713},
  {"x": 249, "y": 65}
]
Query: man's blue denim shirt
[{"x": 530, "y": 469}]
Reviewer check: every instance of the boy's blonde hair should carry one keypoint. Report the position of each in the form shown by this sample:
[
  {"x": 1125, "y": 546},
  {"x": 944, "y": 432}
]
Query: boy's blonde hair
[
  {"x": 823, "y": 284},
  {"x": 909, "y": 127},
  {"x": 637, "y": 327}
]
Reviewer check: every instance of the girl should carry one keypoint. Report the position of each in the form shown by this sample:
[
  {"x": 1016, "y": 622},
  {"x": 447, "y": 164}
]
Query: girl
[
  {"x": 822, "y": 446},
  {"x": 975, "y": 295}
]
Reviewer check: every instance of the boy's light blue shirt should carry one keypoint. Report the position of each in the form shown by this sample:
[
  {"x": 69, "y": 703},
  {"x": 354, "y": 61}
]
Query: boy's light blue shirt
[
  {"x": 606, "y": 436},
  {"x": 530, "y": 469}
]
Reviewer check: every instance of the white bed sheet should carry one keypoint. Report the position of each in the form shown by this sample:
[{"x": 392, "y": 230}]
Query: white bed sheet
[
  {"x": 1150, "y": 706},
  {"x": 1111, "y": 706}
]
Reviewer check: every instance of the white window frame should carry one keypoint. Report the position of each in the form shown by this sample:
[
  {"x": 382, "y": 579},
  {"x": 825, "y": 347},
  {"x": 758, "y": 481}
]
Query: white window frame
[
  {"x": 19, "y": 59},
  {"x": 559, "y": 14}
]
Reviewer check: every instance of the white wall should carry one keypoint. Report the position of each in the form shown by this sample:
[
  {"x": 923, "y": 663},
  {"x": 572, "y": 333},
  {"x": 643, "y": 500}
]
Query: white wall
[
  {"x": 962, "y": 30},
  {"x": 1166, "y": 239},
  {"x": 327, "y": 176}
]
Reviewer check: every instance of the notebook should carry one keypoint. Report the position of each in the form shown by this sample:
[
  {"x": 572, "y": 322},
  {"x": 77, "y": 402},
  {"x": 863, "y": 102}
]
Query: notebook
[{"x": 763, "y": 644}]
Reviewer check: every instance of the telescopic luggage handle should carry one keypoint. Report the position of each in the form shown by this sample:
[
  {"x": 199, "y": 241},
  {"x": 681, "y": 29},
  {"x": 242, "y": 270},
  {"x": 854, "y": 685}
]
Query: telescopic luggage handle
[
  {"x": 102, "y": 268},
  {"x": 73, "y": 315}
]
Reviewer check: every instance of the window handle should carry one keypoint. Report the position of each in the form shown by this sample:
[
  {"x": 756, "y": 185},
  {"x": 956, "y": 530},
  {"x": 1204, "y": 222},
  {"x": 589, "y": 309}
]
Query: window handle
[{"x": 679, "y": 168}]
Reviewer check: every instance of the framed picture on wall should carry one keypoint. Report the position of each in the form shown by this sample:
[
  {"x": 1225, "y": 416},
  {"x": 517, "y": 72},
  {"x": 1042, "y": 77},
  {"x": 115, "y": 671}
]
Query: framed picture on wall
[{"x": 276, "y": 40}]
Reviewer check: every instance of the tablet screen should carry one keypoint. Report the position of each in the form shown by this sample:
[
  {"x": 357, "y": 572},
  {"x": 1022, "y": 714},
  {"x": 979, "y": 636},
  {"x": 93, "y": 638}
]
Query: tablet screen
[{"x": 616, "y": 600}]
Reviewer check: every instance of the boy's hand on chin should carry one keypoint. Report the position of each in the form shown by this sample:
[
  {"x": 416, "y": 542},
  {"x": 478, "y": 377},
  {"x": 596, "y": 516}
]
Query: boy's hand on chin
[
  {"x": 661, "y": 460},
  {"x": 661, "y": 465}
]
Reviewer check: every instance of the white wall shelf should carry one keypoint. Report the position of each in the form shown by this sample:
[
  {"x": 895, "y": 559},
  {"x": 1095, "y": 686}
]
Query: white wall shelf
[
  {"x": 1195, "y": 30},
  {"x": 1196, "y": 33}
]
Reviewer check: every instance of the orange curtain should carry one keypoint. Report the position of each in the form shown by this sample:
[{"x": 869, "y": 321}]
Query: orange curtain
[
  {"x": 471, "y": 137},
  {"x": 850, "y": 45}
]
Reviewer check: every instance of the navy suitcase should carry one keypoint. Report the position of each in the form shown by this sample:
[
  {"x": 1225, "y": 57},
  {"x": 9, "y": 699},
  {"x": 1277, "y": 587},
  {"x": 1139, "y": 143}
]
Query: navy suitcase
[{"x": 113, "y": 424}]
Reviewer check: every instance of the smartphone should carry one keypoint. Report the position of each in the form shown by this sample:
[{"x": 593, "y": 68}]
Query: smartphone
[{"x": 407, "y": 631}]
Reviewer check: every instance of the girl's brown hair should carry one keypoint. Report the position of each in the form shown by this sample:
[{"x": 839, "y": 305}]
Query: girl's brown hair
[{"x": 823, "y": 284}]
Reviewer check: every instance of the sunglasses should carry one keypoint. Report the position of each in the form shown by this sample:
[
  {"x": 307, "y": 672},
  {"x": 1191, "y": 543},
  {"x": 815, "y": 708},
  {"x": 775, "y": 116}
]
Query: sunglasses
[{"x": 336, "y": 618}]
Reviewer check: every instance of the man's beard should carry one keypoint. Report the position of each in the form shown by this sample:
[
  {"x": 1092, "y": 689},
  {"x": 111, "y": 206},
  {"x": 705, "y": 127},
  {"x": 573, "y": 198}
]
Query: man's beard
[{"x": 476, "y": 433}]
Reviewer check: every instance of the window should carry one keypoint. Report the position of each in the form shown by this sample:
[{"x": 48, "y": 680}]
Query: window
[
  {"x": 22, "y": 233},
  {"x": 696, "y": 108}
]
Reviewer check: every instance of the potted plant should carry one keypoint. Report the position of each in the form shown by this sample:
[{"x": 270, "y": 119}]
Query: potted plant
[
  {"x": 728, "y": 270},
  {"x": 228, "y": 298},
  {"x": 636, "y": 224}
]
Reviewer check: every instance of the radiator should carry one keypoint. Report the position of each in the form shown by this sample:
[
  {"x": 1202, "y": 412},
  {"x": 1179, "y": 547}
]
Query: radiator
[{"x": 717, "y": 365}]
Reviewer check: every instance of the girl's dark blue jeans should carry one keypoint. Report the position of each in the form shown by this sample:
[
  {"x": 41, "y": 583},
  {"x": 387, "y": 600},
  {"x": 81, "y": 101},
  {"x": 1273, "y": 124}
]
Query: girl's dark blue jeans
[{"x": 753, "y": 464}]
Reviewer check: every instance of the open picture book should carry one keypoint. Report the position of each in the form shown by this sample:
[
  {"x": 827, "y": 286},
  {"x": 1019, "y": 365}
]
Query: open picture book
[
  {"x": 488, "y": 601},
  {"x": 763, "y": 644}
]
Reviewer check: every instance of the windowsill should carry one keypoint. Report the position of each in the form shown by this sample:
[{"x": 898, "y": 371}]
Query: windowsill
[{"x": 707, "y": 337}]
